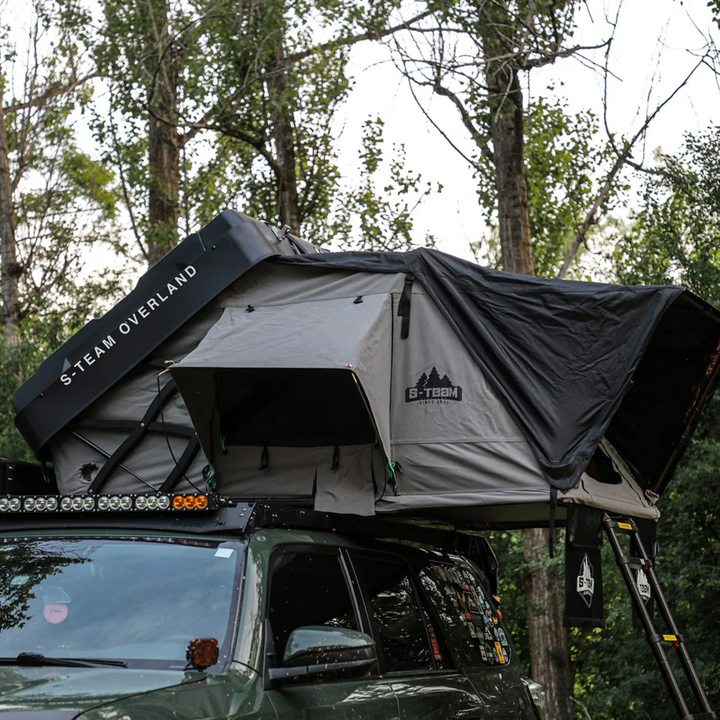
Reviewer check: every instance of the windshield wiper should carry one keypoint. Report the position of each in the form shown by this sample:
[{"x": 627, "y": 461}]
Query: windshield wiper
[{"x": 38, "y": 660}]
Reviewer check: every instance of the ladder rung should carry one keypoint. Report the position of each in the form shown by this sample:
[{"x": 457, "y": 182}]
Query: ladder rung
[
  {"x": 635, "y": 563},
  {"x": 625, "y": 527},
  {"x": 665, "y": 637}
]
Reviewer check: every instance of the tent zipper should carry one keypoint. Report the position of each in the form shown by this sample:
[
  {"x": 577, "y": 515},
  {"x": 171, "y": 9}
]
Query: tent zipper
[{"x": 403, "y": 310}]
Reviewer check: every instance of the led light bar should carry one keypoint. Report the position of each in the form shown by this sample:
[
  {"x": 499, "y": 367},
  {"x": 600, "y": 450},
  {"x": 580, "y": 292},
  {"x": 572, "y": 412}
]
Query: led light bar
[{"x": 108, "y": 503}]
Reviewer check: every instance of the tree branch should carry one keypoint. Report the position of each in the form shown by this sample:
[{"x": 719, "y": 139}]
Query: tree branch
[
  {"x": 585, "y": 712},
  {"x": 50, "y": 93},
  {"x": 470, "y": 162},
  {"x": 352, "y": 39},
  {"x": 590, "y": 217},
  {"x": 466, "y": 119}
]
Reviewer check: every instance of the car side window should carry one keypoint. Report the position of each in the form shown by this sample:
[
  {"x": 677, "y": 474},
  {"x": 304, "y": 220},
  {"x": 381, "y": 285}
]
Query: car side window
[
  {"x": 406, "y": 642},
  {"x": 477, "y": 636},
  {"x": 308, "y": 588}
]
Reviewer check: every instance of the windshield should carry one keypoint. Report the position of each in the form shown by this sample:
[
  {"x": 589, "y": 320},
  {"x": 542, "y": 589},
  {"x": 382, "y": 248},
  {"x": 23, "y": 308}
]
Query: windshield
[{"x": 136, "y": 600}]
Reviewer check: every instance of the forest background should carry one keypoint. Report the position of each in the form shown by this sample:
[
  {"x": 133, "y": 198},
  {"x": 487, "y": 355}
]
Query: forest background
[{"x": 126, "y": 125}]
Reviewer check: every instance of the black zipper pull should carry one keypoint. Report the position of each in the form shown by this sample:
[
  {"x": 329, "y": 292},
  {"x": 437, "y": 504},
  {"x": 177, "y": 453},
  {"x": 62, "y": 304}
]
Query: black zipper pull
[{"x": 403, "y": 310}]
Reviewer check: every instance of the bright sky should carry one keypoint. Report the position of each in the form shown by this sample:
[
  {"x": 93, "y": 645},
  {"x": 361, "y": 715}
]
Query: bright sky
[{"x": 656, "y": 45}]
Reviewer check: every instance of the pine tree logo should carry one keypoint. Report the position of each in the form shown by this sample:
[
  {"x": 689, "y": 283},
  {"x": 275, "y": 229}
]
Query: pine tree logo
[
  {"x": 432, "y": 388},
  {"x": 586, "y": 581}
]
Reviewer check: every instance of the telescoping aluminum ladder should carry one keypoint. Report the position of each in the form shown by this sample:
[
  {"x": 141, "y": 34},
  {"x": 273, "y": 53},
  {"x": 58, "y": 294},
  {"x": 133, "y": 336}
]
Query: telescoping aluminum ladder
[{"x": 657, "y": 641}]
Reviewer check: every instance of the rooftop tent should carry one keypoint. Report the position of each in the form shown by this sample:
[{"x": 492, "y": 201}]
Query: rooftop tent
[
  {"x": 450, "y": 439},
  {"x": 378, "y": 382}
]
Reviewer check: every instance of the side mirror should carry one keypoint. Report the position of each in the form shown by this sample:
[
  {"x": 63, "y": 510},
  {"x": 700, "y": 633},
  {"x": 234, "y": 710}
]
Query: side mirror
[{"x": 320, "y": 650}]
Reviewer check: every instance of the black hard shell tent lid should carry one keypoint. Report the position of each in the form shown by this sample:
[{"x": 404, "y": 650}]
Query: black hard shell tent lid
[{"x": 354, "y": 369}]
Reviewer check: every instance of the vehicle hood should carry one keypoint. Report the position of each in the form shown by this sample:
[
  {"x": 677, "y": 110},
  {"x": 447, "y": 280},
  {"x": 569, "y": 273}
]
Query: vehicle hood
[{"x": 57, "y": 693}]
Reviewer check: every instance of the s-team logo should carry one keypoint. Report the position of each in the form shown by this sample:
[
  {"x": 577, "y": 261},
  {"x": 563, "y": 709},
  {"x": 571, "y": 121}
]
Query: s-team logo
[
  {"x": 643, "y": 585},
  {"x": 586, "y": 581},
  {"x": 433, "y": 387},
  {"x": 94, "y": 354}
]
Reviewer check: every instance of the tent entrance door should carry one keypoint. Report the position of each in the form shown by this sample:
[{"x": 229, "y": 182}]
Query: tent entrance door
[{"x": 642, "y": 583}]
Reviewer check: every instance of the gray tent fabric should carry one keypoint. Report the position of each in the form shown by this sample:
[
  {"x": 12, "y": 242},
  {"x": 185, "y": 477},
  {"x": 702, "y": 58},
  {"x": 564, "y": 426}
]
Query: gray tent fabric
[
  {"x": 325, "y": 334},
  {"x": 619, "y": 494},
  {"x": 77, "y": 462},
  {"x": 445, "y": 417},
  {"x": 447, "y": 420}
]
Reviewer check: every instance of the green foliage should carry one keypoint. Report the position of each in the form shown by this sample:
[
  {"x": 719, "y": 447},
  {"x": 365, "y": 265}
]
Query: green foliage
[
  {"x": 64, "y": 198},
  {"x": 564, "y": 163},
  {"x": 377, "y": 213},
  {"x": 674, "y": 238},
  {"x": 514, "y": 573},
  {"x": 59, "y": 224},
  {"x": 16, "y": 363},
  {"x": 227, "y": 112}
]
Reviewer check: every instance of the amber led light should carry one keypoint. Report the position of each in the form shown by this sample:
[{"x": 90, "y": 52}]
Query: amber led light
[{"x": 203, "y": 652}]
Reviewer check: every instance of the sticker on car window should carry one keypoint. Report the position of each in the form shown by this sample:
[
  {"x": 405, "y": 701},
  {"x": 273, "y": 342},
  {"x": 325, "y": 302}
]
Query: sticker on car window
[
  {"x": 434, "y": 644},
  {"x": 55, "y": 614}
]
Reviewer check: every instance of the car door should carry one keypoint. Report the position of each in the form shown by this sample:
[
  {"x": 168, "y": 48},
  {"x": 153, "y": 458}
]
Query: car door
[
  {"x": 474, "y": 629},
  {"x": 310, "y": 586},
  {"x": 414, "y": 657}
]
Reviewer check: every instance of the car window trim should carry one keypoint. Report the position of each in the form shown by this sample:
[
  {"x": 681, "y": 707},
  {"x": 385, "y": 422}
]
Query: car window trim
[
  {"x": 425, "y": 614},
  {"x": 308, "y": 549}
]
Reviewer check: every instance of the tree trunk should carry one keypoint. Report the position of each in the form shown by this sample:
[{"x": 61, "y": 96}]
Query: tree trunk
[
  {"x": 508, "y": 137},
  {"x": 286, "y": 174},
  {"x": 9, "y": 266},
  {"x": 549, "y": 652},
  {"x": 164, "y": 163},
  {"x": 163, "y": 140},
  {"x": 550, "y": 661}
]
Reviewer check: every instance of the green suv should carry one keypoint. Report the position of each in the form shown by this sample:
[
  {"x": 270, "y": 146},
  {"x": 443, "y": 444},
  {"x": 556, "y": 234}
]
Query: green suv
[{"x": 246, "y": 612}]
